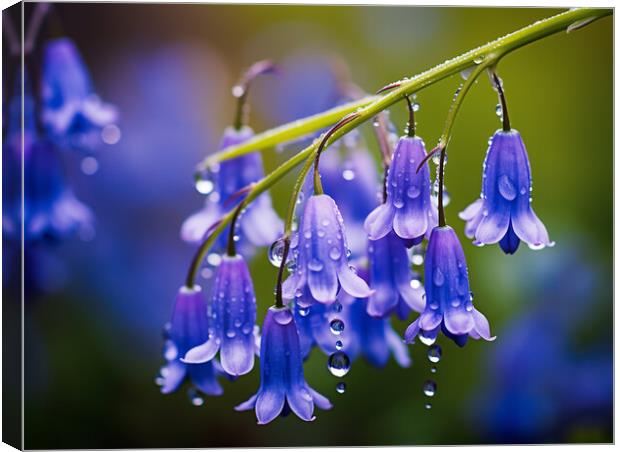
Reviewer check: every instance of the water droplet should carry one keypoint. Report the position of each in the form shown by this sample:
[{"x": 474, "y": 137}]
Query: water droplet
[
  {"x": 438, "y": 277},
  {"x": 479, "y": 59},
  {"x": 334, "y": 254},
  {"x": 434, "y": 353},
  {"x": 339, "y": 345},
  {"x": 194, "y": 397},
  {"x": 498, "y": 110},
  {"x": 429, "y": 388},
  {"x": 433, "y": 369},
  {"x": 315, "y": 265},
  {"x": 336, "y": 326},
  {"x": 341, "y": 387},
  {"x": 413, "y": 191},
  {"x": 89, "y": 165},
  {"x": 415, "y": 106},
  {"x": 348, "y": 174},
  {"x": 276, "y": 252},
  {"x": 303, "y": 311},
  {"x": 203, "y": 185},
  {"x": 214, "y": 259},
  {"x": 339, "y": 364},
  {"x": 337, "y": 306},
  {"x": 428, "y": 406},
  {"x": 427, "y": 340},
  {"x": 506, "y": 188},
  {"x": 230, "y": 334},
  {"x": 415, "y": 283},
  {"x": 398, "y": 203}
]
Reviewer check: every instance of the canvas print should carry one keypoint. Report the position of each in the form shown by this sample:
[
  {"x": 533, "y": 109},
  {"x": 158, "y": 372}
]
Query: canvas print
[{"x": 238, "y": 225}]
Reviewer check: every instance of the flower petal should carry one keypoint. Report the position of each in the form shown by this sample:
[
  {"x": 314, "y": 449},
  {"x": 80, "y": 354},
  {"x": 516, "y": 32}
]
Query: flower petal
[
  {"x": 173, "y": 375},
  {"x": 320, "y": 400},
  {"x": 352, "y": 283},
  {"x": 248, "y": 404},
  {"x": 481, "y": 325},
  {"x": 300, "y": 401},
  {"x": 202, "y": 353},
  {"x": 203, "y": 376},
  {"x": 379, "y": 221},
  {"x": 412, "y": 331},
  {"x": 458, "y": 321},
  {"x": 269, "y": 403}
]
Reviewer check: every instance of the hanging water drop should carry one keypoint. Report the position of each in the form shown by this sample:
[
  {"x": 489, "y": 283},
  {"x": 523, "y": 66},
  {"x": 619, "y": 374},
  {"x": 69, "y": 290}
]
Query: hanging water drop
[
  {"x": 498, "y": 110},
  {"x": 341, "y": 387},
  {"x": 337, "y": 306},
  {"x": 276, "y": 252},
  {"x": 434, "y": 353},
  {"x": 336, "y": 326},
  {"x": 194, "y": 397},
  {"x": 429, "y": 388},
  {"x": 339, "y": 364},
  {"x": 433, "y": 369},
  {"x": 339, "y": 345},
  {"x": 348, "y": 174},
  {"x": 428, "y": 406}
]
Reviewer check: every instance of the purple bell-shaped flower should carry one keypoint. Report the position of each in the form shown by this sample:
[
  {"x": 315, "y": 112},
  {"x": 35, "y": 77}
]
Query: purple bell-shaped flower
[
  {"x": 322, "y": 263},
  {"x": 448, "y": 299},
  {"x": 71, "y": 111},
  {"x": 407, "y": 209},
  {"x": 259, "y": 223},
  {"x": 391, "y": 278},
  {"x": 504, "y": 212},
  {"x": 233, "y": 315},
  {"x": 188, "y": 328},
  {"x": 282, "y": 384}
]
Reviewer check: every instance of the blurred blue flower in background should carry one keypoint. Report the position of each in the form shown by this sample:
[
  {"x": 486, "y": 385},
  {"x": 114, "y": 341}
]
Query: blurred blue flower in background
[
  {"x": 72, "y": 113},
  {"x": 538, "y": 378}
]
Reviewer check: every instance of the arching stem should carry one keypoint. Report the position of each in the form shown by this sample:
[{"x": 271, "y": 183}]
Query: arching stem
[
  {"x": 502, "y": 99},
  {"x": 241, "y": 89}
]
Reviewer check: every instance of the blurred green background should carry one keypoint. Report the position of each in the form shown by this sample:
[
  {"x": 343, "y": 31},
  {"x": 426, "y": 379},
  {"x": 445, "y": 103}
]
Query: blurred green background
[{"x": 93, "y": 345}]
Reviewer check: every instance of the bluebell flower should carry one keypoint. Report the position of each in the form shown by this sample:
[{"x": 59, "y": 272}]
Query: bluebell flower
[
  {"x": 348, "y": 172},
  {"x": 259, "y": 223},
  {"x": 504, "y": 213},
  {"x": 233, "y": 314},
  {"x": 322, "y": 262},
  {"x": 188, "y": 327},
  {"x": 282, "y": 383},
  {"x": 391, "y": 279},
  {"x": 50, "y": 207},
  {"x": 448, "y": 299},
  {"x": 71, "y": 111},
  {"x": 407, "y": 210}
]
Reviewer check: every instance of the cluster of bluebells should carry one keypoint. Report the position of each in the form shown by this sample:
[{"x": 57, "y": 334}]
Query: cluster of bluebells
[
  {"x": 61, "y": 114},
  {"x": 345, "y": 284}
]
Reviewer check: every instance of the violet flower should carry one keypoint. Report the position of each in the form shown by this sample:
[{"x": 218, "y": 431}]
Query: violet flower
[
  {"x": 391, "y": 278},
  {"x": 448, "y": 299},
  {"x": 50, "y": 207},
  {"x": 71, "y": 111},
  {"x": 504, "y": 213},
  {"x": 349, "y": 174},
  {"x": 233, "y": 315},
  {"x": 321, "y": 251},
  {"x": 282, "y": 383},
  {"x": 407, "y": 210},
  {"x": 259, "y": 223},
  {"x": 188, "y": 328}
]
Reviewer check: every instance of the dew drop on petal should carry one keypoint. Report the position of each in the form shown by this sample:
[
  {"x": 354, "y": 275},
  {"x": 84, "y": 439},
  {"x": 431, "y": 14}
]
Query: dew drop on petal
[
  {"x": 315, "y": 265},
  {"x": 334, "y": 253},
  {"x": 438, "y": 277},
  {"x": 506, "y": 188},
  {"x": 413, "y": 191},
  {"x": 348, "y": 174},
  {"x": 339, "y": 364}
]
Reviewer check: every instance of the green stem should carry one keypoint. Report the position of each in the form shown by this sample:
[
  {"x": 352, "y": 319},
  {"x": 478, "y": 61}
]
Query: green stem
[{"x": 368, "y": 107}]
